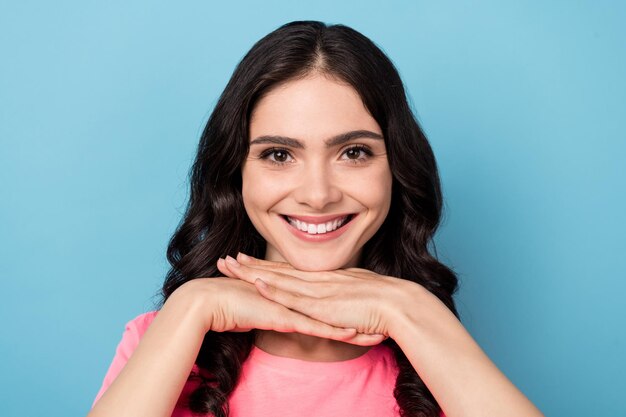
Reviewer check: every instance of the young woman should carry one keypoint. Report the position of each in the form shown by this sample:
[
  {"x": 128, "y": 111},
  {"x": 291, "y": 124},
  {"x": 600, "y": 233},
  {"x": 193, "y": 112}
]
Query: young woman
[{"x": 301, "y": 280}]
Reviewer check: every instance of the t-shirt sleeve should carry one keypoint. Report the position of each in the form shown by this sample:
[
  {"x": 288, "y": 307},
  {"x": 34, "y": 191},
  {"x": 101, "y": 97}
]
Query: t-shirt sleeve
[{"x": 130, "y": 339}]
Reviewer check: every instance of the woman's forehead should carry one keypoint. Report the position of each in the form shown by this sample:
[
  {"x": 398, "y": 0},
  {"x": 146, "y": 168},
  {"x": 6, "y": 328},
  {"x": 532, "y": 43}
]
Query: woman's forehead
[{"x": 315, "y": 107}]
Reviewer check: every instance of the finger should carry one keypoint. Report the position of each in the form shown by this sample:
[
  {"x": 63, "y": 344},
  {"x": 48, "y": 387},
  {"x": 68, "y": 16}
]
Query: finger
[
  {"x": 276, "y": 279},
  {"x": 249, "y": 260},
  {"x": 299, "y": 302},
  {"x": 222, "y": 266},
  {"x": 359, "y": 270},
  {"x": 281, "y": 267},
  {"x": 244, "y": 272},
  {"x": 296, "y": 322},
  {"x": 240, "y": 329},
  {"x": 291, "y": 321},
  {"x": 363, "y": 339},
  {"x": 308, "y": 275}
]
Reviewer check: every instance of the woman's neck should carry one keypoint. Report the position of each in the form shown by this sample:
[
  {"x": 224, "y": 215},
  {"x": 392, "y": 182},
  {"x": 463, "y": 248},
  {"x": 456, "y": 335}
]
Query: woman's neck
[{"x": 305, "y": 347}]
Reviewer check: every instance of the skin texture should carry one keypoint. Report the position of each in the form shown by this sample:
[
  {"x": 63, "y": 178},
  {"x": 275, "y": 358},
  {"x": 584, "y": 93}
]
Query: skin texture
[
  {"x": 311, "y": 178},
  {"x": 315, "y": 180},
  {"x": 307, "y": 299},
  {"x": 460, "y": 376}
]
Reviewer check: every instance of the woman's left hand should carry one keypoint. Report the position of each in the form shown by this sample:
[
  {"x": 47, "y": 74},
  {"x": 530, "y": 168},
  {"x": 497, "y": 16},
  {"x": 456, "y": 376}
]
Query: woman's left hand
[{"x": 350, "y": 298}]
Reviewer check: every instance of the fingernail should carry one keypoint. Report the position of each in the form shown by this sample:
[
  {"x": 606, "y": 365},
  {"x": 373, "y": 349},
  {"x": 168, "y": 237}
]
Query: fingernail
[
  {"x": 231, "y": 261},
  {"x": 243, "y": 256},
  {"x": 261, "y": 283}
]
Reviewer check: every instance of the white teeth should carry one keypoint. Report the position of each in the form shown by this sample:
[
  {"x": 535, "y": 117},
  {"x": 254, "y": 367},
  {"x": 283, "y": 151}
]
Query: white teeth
[{"x": 315, "y": 229}]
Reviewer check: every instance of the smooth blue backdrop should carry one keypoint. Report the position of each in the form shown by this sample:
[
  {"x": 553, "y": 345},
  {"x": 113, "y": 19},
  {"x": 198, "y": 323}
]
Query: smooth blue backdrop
[{"x": 102, "y": 104}]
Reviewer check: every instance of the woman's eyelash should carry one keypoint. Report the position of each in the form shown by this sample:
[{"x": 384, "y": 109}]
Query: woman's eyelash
[
  {"x": 359, "y": 148},
  {"x": 278, "y": 156},
  {"x": 274, "y": 151}
]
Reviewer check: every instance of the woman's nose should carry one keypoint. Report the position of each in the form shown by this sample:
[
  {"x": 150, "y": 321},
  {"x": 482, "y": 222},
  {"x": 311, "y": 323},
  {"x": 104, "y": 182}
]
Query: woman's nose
[{"x": 317, "y": 187}]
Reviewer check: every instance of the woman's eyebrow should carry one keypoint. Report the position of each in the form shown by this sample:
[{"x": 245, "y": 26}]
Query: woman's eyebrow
[
  {"x": 333, "y": 141},
  {"x": 348, "y": 136}
]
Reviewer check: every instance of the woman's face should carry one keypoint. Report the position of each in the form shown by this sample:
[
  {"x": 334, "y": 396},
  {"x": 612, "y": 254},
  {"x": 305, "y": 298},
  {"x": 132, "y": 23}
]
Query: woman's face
[{"x": 316, "y": 182}]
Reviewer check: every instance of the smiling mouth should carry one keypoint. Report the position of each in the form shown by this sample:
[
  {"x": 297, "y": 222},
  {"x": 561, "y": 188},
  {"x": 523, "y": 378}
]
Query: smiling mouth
[{"x": 319, "y": 228}]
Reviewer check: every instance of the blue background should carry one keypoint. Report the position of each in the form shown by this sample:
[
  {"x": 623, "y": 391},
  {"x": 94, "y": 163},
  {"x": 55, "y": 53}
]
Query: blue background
[{"x": 102, "y": 105}]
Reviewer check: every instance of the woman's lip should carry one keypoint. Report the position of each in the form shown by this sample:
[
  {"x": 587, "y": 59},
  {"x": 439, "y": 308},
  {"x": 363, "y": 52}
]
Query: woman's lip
[{"x": 317, "y": 219}]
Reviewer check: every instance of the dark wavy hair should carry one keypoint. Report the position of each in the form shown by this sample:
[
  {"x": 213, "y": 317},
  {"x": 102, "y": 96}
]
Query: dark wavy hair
[{"x": 215, "y": 223}]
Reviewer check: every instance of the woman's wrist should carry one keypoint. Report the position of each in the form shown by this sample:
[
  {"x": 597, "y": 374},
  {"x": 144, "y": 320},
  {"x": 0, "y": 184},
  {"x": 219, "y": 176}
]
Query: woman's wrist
[
  {"x": 197, "y": 300},
  {"x": 415, "y": 308}
]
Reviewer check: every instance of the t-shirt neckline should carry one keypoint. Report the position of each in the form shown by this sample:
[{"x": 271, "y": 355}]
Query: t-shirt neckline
[{"x": 293, "y": 365}]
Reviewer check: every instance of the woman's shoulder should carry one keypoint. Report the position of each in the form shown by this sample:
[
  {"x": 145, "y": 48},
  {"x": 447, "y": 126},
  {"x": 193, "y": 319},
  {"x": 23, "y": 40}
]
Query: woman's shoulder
[
  {"x": 140, "y": 323},
  {"x": 133, "y": 332},
  {"x": 143, "y": 319}
]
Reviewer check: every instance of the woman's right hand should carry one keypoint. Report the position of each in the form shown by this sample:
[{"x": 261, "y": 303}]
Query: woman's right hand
[{"x": 229, "y": 304}]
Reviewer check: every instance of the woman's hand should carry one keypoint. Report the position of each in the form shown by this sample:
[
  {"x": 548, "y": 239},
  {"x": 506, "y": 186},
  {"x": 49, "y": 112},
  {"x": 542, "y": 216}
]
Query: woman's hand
[
  {"x": 235, "y": 305},
  {"x": 348, "y": 298},
  {"x": 435, "y": 342}
]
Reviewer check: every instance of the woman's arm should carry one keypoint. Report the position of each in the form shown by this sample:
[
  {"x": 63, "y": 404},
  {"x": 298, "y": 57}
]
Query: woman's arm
[
  {"x": 463, "y": 380},
  {"x": 153, "y": 378}
]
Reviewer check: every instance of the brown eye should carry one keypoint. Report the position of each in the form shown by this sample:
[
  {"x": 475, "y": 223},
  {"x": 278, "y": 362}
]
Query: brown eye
[
  {"x": 353, "y": 153},
  {"x": 280, "y": 156},
  {"x": 357, "y": 153},
  {"x": 276, "y": 156}
]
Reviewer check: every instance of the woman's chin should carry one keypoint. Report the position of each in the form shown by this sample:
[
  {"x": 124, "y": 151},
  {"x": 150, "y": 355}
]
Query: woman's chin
[
  {"x": 317, "y": 264},
  {"x": 315, "y": 260}
]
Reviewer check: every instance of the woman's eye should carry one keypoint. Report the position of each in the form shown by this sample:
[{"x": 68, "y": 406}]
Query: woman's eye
[
  {"x": 280, "y": 156},
  {"x": 357, "y": 153},
  {"x": 276, "y": 155}
]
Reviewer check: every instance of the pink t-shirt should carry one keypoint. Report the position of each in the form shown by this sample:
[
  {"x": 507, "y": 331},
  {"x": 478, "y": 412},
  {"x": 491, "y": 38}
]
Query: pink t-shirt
[{"x": 272, "y": 385}]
